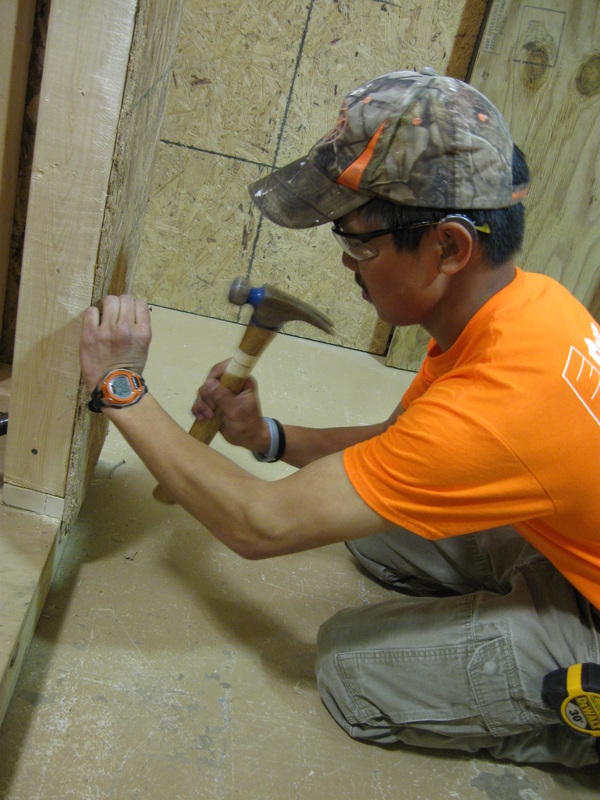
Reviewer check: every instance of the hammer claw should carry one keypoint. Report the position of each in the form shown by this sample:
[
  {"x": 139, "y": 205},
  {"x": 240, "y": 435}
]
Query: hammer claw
[{"x": 273, "y": 307}]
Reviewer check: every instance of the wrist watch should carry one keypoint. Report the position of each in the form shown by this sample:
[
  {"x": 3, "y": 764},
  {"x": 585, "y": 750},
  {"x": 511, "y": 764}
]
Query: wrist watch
[{"x": 118, "y": 388}]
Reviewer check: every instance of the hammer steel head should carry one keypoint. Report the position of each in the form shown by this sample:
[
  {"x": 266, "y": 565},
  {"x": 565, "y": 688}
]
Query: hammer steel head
[{"x": 273, "y": 307}]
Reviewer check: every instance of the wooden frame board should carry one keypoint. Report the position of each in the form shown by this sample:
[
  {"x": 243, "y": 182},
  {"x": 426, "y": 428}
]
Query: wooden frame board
[
  {"x": 15, "y": 48},
  {"x": 101, "y": 105}
]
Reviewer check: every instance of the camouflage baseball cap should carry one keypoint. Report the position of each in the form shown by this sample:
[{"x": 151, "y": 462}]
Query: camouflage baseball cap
[{"x": 414, "y": 138}]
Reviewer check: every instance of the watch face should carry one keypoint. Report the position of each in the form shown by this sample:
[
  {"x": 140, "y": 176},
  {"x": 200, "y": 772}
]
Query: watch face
[{"x": 121, "y": 387}]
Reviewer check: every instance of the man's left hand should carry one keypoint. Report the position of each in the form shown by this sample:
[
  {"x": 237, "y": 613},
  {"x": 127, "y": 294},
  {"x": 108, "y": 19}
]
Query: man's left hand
[{"x": 117, "y": 335}]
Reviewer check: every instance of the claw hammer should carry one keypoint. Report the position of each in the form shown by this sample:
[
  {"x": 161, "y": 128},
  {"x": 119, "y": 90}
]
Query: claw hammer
[{"x": 272, "y": 308}]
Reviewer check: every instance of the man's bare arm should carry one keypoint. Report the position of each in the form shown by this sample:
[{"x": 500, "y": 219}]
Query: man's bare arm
[{"x": 315, "y": 506}]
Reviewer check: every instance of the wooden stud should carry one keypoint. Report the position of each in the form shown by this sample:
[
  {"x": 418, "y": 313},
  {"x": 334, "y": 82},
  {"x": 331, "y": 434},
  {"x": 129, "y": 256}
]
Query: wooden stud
[
  {"x": 101, "y": 104},
  {"x": 82, "y": 88},
  {"x": 15, "y": 49}
]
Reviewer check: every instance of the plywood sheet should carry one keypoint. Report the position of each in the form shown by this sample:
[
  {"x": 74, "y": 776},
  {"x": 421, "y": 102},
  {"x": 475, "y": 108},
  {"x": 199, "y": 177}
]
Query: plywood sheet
[{"x": 255, "y": 84}]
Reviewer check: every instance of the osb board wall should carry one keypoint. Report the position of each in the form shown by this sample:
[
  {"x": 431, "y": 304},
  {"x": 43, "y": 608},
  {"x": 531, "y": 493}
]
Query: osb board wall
[
  {"x": 540, "y": 64},
  {"x": 255, "y": 84}
]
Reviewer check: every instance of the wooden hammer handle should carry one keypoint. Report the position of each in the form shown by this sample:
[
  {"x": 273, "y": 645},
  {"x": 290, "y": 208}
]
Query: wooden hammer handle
[{"x": 253, "y": 343}]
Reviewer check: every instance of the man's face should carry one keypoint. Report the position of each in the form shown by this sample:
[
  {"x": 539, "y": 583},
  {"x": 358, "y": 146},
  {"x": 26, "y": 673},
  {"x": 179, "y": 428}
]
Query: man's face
[{"x": 404, "y": 287}]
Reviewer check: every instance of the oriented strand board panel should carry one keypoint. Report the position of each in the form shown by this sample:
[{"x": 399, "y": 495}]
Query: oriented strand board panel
[
  {"x": 254, "y": 85},
  {"x": 540, "y": 65}
]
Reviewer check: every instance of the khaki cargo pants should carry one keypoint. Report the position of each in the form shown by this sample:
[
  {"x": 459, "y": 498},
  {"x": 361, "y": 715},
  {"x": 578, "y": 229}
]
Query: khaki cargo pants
[{"x": 457, "y": 659}]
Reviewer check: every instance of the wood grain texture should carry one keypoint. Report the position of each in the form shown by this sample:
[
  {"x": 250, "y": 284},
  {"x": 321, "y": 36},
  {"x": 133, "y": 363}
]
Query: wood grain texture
[
  {"x": 144, "y": 99},
  {"x": 85, "y": 67},
  {"x": 102, "y": 101},
  {"x": 29, "y": 555},
  {"x": 465, "y": 42},
  {"x": 25, "y": 160},
  {"x": 408, "y": 348},
  {"x": 15, "y": 48}
]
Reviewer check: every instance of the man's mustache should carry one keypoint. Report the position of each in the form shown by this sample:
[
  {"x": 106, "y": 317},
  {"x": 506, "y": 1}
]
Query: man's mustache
[{"x": 359, "y": 280}]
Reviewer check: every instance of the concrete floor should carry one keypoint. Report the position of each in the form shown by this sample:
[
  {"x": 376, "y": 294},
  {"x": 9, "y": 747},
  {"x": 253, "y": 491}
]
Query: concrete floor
[{"x": 164, "y": 666}]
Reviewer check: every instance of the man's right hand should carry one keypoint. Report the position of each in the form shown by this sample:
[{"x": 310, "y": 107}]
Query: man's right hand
[{"x": 243, "y": 423}]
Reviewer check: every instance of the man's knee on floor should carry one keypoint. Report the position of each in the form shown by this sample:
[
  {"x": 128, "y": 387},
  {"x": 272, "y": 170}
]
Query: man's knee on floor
[{"x": 331, "y": 641}]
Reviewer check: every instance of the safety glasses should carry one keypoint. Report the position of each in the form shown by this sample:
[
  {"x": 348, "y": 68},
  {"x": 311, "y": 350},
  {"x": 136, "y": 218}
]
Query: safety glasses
[{"x": 358, "y": 246}]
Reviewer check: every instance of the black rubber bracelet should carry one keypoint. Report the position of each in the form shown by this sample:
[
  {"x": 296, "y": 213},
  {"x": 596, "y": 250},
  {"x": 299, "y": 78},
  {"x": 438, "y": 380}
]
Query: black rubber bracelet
[
  {"x": 277, "y": 445},
  {"x": 282, "y": 443},
  {"x": 269, "y": 456}
]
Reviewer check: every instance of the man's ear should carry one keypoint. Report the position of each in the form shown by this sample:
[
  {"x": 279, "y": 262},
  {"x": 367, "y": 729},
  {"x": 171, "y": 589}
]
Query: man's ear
[{"x": 456, "y": 243}]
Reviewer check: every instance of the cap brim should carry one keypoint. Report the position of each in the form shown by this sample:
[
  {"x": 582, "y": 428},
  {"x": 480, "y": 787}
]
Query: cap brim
[{"x": 299, "y": 196}]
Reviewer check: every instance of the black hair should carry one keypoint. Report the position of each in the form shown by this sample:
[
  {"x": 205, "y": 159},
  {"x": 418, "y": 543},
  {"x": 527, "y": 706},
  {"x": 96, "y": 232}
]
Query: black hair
[{"x": 507, "y": 225}]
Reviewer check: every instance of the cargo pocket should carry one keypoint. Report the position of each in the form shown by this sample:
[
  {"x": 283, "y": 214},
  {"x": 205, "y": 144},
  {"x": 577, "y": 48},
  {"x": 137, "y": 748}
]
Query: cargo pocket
[
  {"x": 448, "y": 690},
  {"x": 425, "y": 687},
  {"x": 498, "y": 690}
]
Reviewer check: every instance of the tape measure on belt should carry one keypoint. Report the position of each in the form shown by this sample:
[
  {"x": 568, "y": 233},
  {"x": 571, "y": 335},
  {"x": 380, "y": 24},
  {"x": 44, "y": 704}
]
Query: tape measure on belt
[{"x": 575, "y": 693}]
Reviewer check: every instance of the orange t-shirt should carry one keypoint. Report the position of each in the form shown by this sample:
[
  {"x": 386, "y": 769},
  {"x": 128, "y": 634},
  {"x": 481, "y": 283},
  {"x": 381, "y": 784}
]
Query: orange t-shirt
[{"x": 501, "y": 429}]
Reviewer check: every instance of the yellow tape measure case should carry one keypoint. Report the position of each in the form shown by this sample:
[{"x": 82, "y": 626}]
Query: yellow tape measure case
[{"x": 575, "y": 693}]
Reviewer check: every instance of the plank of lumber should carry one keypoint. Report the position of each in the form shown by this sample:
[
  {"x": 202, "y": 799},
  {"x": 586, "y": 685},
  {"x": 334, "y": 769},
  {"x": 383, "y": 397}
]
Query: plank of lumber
[
  {"x": 82, "y": 87},
  {"x": 144, "y": 101},
  {"x": 15, "y": 49},
  {"x": 92, "y": 165},
  {"x": 29, "y": 554}
]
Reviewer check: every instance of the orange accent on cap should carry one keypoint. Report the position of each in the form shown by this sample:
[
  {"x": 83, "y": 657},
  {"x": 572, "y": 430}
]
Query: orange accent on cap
[
  {"x": 352, "y": 175},
  {"x": 483, "y": 117}
]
